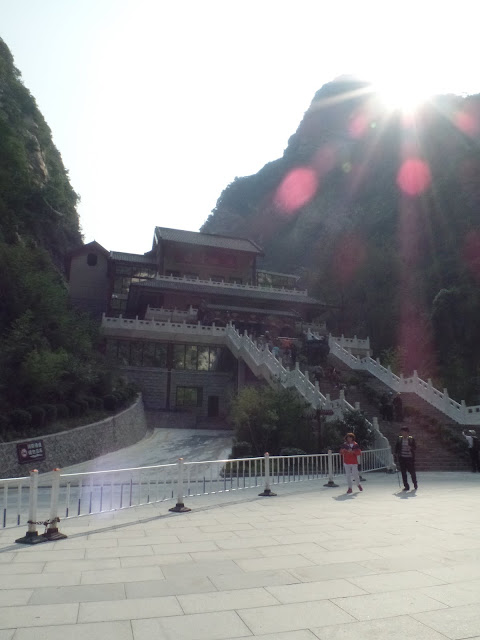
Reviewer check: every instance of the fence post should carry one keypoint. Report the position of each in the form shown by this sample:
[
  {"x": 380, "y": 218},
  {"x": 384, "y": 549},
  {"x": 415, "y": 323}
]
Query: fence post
[
  {"x": 32, "y": 537},
  {"x": 180, "y": 507},
  {"x": 330, "y": 482},
  {"x": 267, "y": 491},
  {"x": 52, "y": 532}
]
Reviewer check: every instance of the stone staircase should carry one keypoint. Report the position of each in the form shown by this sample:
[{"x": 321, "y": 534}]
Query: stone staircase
[{"x": 433, "y": 452}]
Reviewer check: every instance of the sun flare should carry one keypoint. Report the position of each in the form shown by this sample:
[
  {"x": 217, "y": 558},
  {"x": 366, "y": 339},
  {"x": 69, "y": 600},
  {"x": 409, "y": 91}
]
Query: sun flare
[{"x": 405, "y": 97}]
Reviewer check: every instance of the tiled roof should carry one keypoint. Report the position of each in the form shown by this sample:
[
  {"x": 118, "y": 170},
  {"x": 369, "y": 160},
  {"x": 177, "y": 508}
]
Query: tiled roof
[
  {"x": 254, "y": 294},
  {"x": 137, "y": 258},
  {"x": 207, "y": 239}
]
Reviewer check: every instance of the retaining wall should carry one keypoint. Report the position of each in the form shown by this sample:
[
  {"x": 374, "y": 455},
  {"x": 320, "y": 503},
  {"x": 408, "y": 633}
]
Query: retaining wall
[{"x": 77, "y": 445}]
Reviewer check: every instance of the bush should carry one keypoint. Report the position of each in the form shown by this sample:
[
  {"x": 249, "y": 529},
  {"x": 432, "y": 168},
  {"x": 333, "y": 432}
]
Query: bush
[
  {"x": 38, "y": 415},
  {"x": 20, "y": 418},
  {"x": 83, "y": 406},
  {"x": 292, "y": 451},
  {"x": 91, "y": 400},
  {"x": 50, "y": 413},
  {"x": 241, "y": 450},
  {"x": 74, "y": 409},
  {"x": 110, "y": 402},
  {"x": 62, "y": 411},
  {"x": 99, "y": 404}
]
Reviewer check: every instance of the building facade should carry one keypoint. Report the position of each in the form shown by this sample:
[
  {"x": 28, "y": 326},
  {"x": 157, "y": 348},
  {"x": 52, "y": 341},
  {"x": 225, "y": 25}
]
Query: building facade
[{"x": 164, "y": 313}]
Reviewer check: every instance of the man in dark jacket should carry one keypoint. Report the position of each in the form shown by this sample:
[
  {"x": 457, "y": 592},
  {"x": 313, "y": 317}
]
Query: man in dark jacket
[{"x": 405, "y": 454}]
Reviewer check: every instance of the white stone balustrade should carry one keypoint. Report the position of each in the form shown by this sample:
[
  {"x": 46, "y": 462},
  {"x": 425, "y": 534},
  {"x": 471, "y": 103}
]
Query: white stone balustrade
[
  {"x": 457, "y": 411},
  {"x": 233, "y": 285}
]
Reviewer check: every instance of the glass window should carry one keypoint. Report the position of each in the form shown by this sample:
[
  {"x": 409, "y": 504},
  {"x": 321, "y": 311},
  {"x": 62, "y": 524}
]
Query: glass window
[
  {"x": 191, "y": 357},
  {"x": 203, "y": 358},
  {"x": 160, "y": 355},
  {"x": 214, "y": 358},
  {"x": 179, "y": 356},
  {"x": 136, "y": 354},
  {"x": 149, "y": 354},
  {"x": 112, "y": 349},
  {"x": 92, "y": 259},
  {"x": 188, "y": 397},
  {"x": 123, "y": 352}
]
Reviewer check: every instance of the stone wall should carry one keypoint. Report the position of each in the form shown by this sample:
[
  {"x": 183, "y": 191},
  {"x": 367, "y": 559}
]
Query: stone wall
[{"x": 80, "y": 444}]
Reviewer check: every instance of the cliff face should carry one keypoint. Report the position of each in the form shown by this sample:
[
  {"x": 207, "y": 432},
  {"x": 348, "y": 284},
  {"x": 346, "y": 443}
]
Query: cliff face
[
  {"x": 37, "y": 201},
  {"x": 379, "y": 213}
]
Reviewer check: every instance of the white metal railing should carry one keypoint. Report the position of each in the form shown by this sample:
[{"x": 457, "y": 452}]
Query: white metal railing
[
  {"x": 73, "y": 495},
  {"x": 233, "y": 285}
]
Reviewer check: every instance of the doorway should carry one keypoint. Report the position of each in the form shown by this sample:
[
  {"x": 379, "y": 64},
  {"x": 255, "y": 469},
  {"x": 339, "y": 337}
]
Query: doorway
[{"x": 213, "y": 406}]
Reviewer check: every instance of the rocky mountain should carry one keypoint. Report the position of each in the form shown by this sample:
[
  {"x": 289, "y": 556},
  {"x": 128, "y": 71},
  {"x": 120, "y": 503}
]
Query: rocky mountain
[{"x": 378, "y": 211}]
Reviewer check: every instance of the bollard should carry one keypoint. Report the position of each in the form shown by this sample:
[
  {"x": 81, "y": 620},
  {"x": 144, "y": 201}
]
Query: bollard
[
  {"x": 180, "y": 507},
  {"x": 267, "y": 491},
  {"x": 330, "y": 482},
  {"x": 52, "y": 532},
  {"x": 32, "y": 537}
]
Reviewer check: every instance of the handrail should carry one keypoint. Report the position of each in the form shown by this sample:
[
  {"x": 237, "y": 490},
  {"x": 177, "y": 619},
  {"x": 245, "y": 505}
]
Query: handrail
[{"x": 233, "y": 285}]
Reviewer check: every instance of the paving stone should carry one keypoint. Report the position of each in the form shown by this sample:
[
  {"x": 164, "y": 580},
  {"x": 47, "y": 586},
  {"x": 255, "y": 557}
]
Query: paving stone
[
  {"x": 38, "y": 615},
  {"x": 309, "y": 591},
  {"x": 290, "y": 617},
  {"x": 455, "y": 622},
  {"x": 387, "y": 605},
  {"x": 253, "y": 579},
  {"x": 169, "y": 587},
  {"x": 106, "y": 611},
  {"x": 95, "y": 631},
  {"x": 225, "y": 600},
  {"x": 397, "y": 628},
  {"x": 201, "y": 626},
  {"x": 79, "y": 593}
]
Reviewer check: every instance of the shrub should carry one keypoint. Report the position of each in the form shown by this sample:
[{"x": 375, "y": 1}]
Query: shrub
[
  {"x": 83, "y": 406},
  {"x": 20, "y": 418},
  {"x": 73, "y": 409},
  {"x": 62, "y": 411},
  {"x": 241, "y": 450},
  {"x": 50, "y": 413},
  {"x": 110, "y": 402},
  {"x": 91, "y": 400},
  {"x": 99, "y": 404},
  {"x": 292, "y": 451},
  {"x": 38, "y": 415}
]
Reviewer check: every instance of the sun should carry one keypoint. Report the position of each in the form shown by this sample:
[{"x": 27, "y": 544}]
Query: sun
[{"x": 402, "y": 96}]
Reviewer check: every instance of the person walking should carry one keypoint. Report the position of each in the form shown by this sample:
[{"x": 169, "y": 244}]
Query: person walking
[
  {"x": 472, "y": 441},
  {"x": 350, "y": 451},
  {"x": 405, "y": 448}
]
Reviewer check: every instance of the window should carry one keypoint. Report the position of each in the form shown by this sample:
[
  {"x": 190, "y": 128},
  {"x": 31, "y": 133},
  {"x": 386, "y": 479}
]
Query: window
[
  {"x": 202, "y": 358},
  {"x": 191, "y": 357},
  {"x": 92, "y": 259},
  {"x": 235, "y": 280},
  {"x": 174, "y": 274},
  {"x": 189, "y": 397},
  {"x": 217, "y": 278},
  {"x": 136, "y": 354},
  {"x": 179, "y": 356}
]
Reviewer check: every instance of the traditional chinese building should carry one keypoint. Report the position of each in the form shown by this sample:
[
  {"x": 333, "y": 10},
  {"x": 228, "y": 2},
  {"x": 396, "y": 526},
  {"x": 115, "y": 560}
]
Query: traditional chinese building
[{"x": 164, "y": 313}]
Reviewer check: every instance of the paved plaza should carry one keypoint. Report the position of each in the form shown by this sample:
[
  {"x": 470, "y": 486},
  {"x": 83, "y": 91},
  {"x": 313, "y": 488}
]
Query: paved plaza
[{"x": 311, "y": 563}]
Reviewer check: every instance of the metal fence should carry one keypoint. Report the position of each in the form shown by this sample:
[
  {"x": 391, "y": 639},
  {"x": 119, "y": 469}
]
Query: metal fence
[{"x": 58, "y": 496}]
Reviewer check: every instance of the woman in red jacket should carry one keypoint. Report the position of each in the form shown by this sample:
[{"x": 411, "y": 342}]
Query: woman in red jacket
[{"x": 350, "y": 451}]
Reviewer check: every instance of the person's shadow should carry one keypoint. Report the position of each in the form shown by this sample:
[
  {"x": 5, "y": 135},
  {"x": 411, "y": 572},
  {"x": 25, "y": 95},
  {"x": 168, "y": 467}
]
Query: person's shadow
[
  {"x": 345, "y": 496},
  {"x": 404, "y": 495}
]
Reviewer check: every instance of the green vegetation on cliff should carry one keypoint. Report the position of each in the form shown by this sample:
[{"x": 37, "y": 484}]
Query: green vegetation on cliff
[
  {"x": 379, "y": 213},
  {"x": 49, "y": 360}
]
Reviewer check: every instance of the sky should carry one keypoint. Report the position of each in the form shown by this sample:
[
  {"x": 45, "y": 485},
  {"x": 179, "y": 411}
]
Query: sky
[{"x": 157, "y": 105}]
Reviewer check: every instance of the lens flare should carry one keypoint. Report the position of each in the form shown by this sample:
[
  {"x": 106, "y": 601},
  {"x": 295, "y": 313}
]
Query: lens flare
[
  {"x": 296, "y": 189},
  {"x": 414, "y": 177}
]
